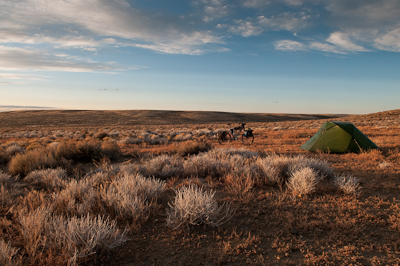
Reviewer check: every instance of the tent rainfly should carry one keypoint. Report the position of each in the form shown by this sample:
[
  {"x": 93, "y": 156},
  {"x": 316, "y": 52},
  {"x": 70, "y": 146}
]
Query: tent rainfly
[{"x": 338, "y": 137}]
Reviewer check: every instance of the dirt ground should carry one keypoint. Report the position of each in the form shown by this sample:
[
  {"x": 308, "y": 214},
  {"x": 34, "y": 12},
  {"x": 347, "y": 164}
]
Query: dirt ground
[{"x": 270, "y": 226}]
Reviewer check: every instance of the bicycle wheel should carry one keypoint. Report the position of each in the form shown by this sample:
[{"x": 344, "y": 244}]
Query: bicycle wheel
[
  {"x": 247, "y": 139},
  {"x": 224, "y": 137}
]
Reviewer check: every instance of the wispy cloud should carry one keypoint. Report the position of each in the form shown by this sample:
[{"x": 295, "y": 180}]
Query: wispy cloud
[
  {"x": 15, "y": 58},
  {"x": 284, "y": 21},
  {"x": 8, "y": 108},
  {"x": 19, "y": 76},
  {"x": 96, "y": 23},
  {"x": 33, "y": 32},
  {"x": 389, "y": 42},
  {"x": 288, "y": 45}
]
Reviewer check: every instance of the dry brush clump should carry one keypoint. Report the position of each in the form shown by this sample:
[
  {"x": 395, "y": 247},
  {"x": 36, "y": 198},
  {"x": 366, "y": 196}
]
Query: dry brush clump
[
  {"x": 129, "y": 197},
  {"x": 66, "y": 240},
  {"x": 78, "y": 198},
  {"x": 191, "y": 148},
  {"x": 163, "y": 166},
  {"x": 193, "y": 205},
  {"x": 51, "y": 179},
  {"x": 66, "y": 221},
  {"x": 59, "y": 154},
  {"x": 8, "y": 255},
  {"x": 303, "y": 181},
  {"x": 299, "y": 174},
  {"x": 347, "y": 183}
]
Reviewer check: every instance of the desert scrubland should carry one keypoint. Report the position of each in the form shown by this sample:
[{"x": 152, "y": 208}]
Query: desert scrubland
[{"x": 156, "y": 188}]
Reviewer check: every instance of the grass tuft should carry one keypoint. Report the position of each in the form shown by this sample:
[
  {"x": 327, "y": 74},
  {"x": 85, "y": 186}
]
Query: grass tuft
[
  {"x": 303, "y": 181},
  {"x": 347, "y": 183},
  {"x": 194, "y": 206}
]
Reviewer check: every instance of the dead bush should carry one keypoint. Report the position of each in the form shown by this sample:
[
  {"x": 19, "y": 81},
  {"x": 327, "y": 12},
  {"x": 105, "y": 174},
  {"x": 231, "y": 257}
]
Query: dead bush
[
  {"x": 194, "y": 206},
  {"x": 101, "y": 135},
  {"x": 129, "y": 197},
  {"x": 24, "y": 163},
  {"x": 303, "y": 181},
  {"x": 111, "y": 150},
  {"x": 347, "y": 183},
  {"x": 51, "y": 179},
  {"x": 163, "y": 166},
  {"x": 190, "y": 147},
  {"x": 66, "y": 240},
  {"x": 13, "y": 149},
  {"x": 78, "y": 198},
  {"x": 8, "y": 255},
  {"x": 238, "y": 185}
]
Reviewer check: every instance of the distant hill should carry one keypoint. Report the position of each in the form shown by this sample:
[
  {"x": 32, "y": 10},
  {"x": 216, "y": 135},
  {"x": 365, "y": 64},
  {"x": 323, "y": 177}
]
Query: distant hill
[{"x": 86, "y": 118}]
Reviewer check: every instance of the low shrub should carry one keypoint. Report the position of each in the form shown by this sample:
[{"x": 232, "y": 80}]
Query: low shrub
[
  {"x": 78, "y": 198},
  {"x": 31, "y": 160},
  {"x": 80, "y": 237},
  {"x": 13, "y": 149},
  {"x": 129, "y": 196},
  {"x": 59, "y": 155},
  {"x": 278, "y": 169},
  {"x": 66, "y": 241},
  {"x": 347, "y": 183},
  {"x": 101, "y": 135},
  {"x": 194, "y": 206},
  {"x": 163, "y": 166},
  {"x": 303, "y": 181},
  {"x": 51, "y": 179},
  {"x": 111, "y": 150},
  {"x": 239, "y": 185},
  {"x": 191, "y": 147},
  {"x": 3, "y": 156},
  {"x": 4, "y": 178},
  {"x": 8, "y": 255}
]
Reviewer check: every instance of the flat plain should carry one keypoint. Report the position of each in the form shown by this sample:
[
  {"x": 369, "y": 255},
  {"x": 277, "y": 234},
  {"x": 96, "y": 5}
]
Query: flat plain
[{"x": 122, "y": 171}]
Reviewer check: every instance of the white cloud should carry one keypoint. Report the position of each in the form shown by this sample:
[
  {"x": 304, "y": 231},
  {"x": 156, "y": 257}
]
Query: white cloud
[
  {"x": 256, "y": 3},
  {"x": 284, "y": 21},
  {"x": 343, "y": 41},
  {"x": 288, "y": 45},
  {"x": 214, "y": 9},
  {"x": 325, "y": 47},
  {"x": 246, "y": 28},
  {"x": 15, "y": 58},
  {"x": 19, "y": 76},
  {"x": 261, "y": 3},
  {"x": 389, "y": 41},
  {"x": 92, "y": 24},
  {"x": 362, "y": 14}
]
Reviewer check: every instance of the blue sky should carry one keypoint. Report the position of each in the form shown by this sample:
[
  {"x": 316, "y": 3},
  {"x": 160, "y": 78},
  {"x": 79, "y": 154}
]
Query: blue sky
[{"x": 268, "y": 56}]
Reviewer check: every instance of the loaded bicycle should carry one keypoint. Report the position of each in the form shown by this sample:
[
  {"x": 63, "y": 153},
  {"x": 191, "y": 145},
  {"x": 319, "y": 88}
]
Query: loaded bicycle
[{"x": 236, "y": 133}]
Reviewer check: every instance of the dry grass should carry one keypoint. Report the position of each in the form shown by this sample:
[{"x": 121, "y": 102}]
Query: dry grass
[
  {"x": 8, "y": 255},
  {"x": 72, "y": 238},
  {"x": 59, "y": 155},
  {"x": 194, "y": 206},
  {"x": 347, "y": 183},
  {"x": 303, "y": 181},
  {"x": 337, "y": 223},
  {"x": 129, "y": 196}
]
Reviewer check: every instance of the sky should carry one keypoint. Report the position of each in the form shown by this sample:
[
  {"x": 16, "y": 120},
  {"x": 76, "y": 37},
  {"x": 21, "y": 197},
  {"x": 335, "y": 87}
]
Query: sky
[{"x": 254, "y": 56}]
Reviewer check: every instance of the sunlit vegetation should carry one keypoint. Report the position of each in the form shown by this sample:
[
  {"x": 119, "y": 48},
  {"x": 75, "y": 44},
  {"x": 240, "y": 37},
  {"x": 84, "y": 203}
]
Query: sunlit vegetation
[{"x": 162, "y": 194}]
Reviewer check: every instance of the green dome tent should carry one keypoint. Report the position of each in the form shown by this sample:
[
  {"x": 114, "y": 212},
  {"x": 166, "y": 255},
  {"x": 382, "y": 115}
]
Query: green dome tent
[{"x": 339, "y": 137}]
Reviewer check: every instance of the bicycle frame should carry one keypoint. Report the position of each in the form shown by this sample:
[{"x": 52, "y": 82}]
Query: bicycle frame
[{"x": 234, "y": 133}]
